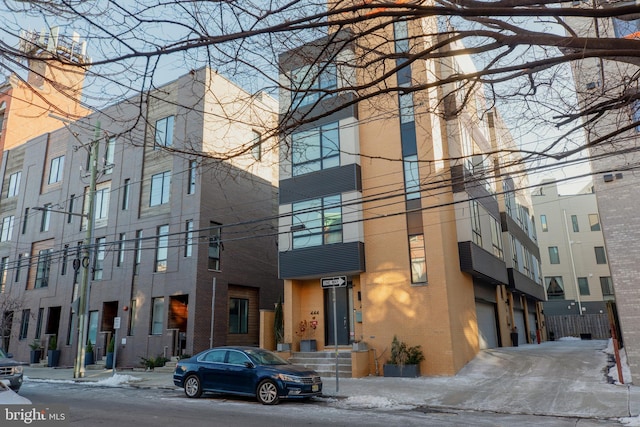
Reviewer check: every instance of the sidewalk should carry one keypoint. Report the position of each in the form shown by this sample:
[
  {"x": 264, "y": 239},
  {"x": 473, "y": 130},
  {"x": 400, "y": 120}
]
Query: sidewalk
[{"x": 561, "y": 378}]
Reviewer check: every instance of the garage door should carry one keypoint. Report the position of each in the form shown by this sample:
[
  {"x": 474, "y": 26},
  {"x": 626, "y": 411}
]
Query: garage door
[
  {"x": 522, "y": 329},
  {"x": 487, "y": 331}
]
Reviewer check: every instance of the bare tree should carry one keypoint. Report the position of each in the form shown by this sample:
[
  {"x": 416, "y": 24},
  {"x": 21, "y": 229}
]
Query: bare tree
[{"x": 523, "y": 52}]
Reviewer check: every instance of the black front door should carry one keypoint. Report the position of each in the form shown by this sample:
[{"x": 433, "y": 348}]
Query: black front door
[{"x": 342, "y": 315}]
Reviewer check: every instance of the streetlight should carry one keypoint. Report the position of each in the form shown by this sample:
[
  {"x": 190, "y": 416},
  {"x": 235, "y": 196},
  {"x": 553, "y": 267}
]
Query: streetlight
[{"x": 85, "y": 289}]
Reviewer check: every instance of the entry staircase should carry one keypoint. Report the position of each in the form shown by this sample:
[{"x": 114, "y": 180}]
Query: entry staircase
[{"x": 324, "y": 362}]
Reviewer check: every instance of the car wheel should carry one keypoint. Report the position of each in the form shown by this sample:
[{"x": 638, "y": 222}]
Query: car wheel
[
  {"x": 267, "y": 393},
  {"x": 192, "y": 386}
]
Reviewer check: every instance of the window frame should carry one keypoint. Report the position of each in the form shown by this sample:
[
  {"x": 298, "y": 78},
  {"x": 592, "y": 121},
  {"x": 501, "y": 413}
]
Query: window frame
[
  {"x": 313, "y": 150},
  {"x": 418, "y": 259},
  {"x": 56, "y": 170},
  {"x": 600, "y": 254},
  {"x": 14, "y": 184},
  {"x": 43, "y": 269},
  {"x": 7, "y": 226},
  {"x": 318, "y": 221},
  {"x": 242, "y": 305},
  {"x": 554, "y": 255},
  {"x": 594, "y": 226},
  {"x": 162, "y": 249},
  {"x": 157, "y": 316},
  {"x": 161, "y": 182},
  {"x": 163, "y": 134},
  {"x": 98, "y": 259}
]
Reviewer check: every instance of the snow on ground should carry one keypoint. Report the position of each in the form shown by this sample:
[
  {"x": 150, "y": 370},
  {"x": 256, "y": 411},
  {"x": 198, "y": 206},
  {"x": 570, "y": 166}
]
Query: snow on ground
[
  {"x": 371, "y": 402},
  {"x": 116, "y": 380}
]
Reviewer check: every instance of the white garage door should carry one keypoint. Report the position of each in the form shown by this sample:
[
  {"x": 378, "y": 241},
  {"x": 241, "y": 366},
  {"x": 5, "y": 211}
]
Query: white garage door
[{"x": 487, "y": 331}]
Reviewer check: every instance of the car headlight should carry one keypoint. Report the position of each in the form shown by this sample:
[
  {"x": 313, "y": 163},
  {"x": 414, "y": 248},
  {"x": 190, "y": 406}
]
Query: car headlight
[
  {"x": 17, "y": 369},
  {"x": 290, "y": 378},
  {"x": 181, "y": 368}
]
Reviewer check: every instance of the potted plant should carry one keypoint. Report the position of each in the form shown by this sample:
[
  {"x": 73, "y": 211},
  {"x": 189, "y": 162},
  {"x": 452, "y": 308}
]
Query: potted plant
[
  {"x": 89, "y": 358},
  {"x": 306, "y": 331},
  {"x": 404, "y": 360},
  {"x": 36, "y": 352},
  {"x": 53, "y": 354},
  {"x": 108, "y": 364}
]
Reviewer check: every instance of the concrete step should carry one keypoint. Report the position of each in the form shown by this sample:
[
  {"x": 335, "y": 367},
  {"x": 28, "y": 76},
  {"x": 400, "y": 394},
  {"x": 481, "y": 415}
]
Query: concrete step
[{"x": 324, "y": 362}]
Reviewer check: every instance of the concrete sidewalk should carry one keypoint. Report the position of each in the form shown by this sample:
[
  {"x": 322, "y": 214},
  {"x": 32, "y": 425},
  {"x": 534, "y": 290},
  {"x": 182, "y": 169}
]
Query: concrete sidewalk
[{"x": 561, "y": 378}]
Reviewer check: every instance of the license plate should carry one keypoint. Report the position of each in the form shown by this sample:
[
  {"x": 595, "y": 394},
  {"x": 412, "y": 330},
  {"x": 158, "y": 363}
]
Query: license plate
[{"x": 315, "y": 387}]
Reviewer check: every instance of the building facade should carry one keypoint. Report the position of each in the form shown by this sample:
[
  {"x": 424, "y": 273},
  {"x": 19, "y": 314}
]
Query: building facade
[
  {"x": 182, "y": 250},
  {"x": 390, "y": 217},
  {"x": 575, "y": 262},
  {"x": 613, "y": 164}
]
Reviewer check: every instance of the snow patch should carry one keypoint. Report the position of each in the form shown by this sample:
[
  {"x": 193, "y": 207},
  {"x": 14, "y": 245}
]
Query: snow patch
[
  {"x": 117, "y": 380},
  {"x": 613, "y": 371},
  {"x": 371, "y": 402}
]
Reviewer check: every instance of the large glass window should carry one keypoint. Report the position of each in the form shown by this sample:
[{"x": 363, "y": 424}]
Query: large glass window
[
  {"x": 594, "y": 222},
  {"x": 554, "y": 256},
  {"x": 317, "y": 222},
  {"x": 238, "y": 316},
  {"x": 411, "y": 177},
  {"x": 160, "y": 186},
  {"x": 309, "y": 84},
  {"x": 162, "y": 248},
  {"x": 583, "y": 285},
  {"x": 164, "y": 132},
  {"x": 316, "y": 149},
  {"x": 401, "y": 36},
  {"x": 607, "y": 286},
  {"x": 102, "y": 203},
  {"x": 56, "y": 170},
  {"x": 7, "y": 228},
  {"x": 555, "y": 287},
  {"x": 157, "y": 316},
  {"x": 43, "y": 268},
  {"x": 418, "y": 259},
  {"x": 14, "y": 184},
  {"x": 601, "y": 256},
  {"x": 98, "y": 262}
]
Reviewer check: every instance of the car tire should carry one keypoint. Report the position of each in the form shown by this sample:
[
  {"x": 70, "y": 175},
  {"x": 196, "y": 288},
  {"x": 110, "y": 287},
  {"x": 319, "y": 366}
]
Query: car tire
[
  {"x": 267, "y": 392},
  {"x": 192, "y": 386}
]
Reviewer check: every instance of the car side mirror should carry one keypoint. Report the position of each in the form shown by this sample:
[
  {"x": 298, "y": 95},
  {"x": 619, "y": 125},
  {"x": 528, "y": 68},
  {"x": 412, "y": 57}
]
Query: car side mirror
[{"x": 249, "y": 365}]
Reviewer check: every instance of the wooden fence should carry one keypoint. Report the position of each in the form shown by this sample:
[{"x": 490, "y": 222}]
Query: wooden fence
[{"x": 595, "y": 326}]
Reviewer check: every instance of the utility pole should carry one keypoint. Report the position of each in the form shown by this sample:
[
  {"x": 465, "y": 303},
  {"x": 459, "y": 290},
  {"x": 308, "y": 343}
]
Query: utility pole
[{"x": 85, "y": 262}]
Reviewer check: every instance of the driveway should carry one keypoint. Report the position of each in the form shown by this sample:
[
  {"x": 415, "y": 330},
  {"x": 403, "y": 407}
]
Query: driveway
[{"x": 560, "y": 378}]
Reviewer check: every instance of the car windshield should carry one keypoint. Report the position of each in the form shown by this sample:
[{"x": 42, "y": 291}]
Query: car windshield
[{"x": 263, "y": 357}]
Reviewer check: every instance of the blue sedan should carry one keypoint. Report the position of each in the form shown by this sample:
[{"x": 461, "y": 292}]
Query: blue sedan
[{"x": 246, "y": 371}]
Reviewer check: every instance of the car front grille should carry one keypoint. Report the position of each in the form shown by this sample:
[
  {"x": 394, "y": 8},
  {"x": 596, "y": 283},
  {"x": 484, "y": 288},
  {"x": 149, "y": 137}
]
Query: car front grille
[
  {"x": 311, "y": 380},
  {"x": 6, "y": 370}
]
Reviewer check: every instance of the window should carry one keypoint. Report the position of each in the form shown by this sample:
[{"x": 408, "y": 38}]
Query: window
[
  {"x": 18, "y": 268},
  {"x": 574, "y": 223},
  {"x": 46, "y": 218},
  {"x": 215, "y": 244},
  {"x": 514, "y": 251},
  {"x": 475, "y": 223},
  {"x": 24, "y": 324},
  {"x": 543, "y": 223},
  {"x": 164, "y": 132},
  {"x": 25, "y": 220},
  {"x": 191, "y": 189},
  {"x": 601, "y": 257},
  {"x": 93, "y": 326},
  {"x": 7, "y": 228},
  {"x": 160, "y": 184},
  {"x": 607, "y": 286},
  {"x": 310, "y": 84},
  {"x": 102, "y": 203},
  {"x": 137, "y": 253},
  {"x": 256, "y": 145},
  {"x": 39, "y": 322},
  {"x": 583, "y": 286},
  {"x": 14, "y": 184},
  {"x": 401, "y": 36},
  {"x": 162, "y": 248},
  {"x": 109, "y": 155},
  {"x": 496, "y": 238},
  {"x": 411, "y": 177},
  {"x": 188, "y": 241},
  {"x": 555, "y": 287},
  {"x": 125, "y": 194},
  {"x": 70, "y": 208},
  {"x": 65, "y": 259},
  {"x": 56, "y": 170},
  {"x": 4, "y": 269},
  {"x": 554, "y": 256},
  {"x": 157, "y": 316},
  {"x": 238, "y": 316},
  {"x": 418, "y": 259},
  {"x": 133, "y": 312},
  {"x": 43, "y": 268},
  {"x": 98, "y": 262},
  {"x": 406, "y": 108},
  {"x": 594, "y": 222},
  {"x": 121, "y": 249},
  {"x": 317, "y": 222},
  {"x": 316, "y": 149}
]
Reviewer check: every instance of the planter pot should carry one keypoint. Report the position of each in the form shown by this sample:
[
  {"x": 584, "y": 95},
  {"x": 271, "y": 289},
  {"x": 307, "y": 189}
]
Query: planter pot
[
  {"x": 308, "y": 345},
  {"x": 284, "y": 346},
  {"x": 35, "y": 356},
  {"x": 108, "y": 364},
  {"x": 403, "y": 371},
  {"x": 53, "y": 358},
  {"x": 89, "y": 358}
]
